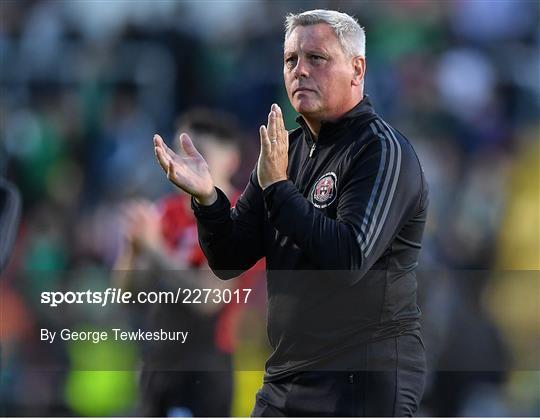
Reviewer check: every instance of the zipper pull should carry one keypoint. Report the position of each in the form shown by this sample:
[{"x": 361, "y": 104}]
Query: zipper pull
[{"x": 312, "y": 149}]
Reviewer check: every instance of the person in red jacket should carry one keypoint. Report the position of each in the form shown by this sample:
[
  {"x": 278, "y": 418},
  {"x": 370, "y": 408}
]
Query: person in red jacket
[{"x": 162, "y": 252}]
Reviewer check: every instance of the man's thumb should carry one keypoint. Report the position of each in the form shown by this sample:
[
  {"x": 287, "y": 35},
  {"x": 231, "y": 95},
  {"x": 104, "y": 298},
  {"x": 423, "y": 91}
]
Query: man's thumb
[
  {"x": 265, "y": 141},
  {"x": 187, "y": 145}
]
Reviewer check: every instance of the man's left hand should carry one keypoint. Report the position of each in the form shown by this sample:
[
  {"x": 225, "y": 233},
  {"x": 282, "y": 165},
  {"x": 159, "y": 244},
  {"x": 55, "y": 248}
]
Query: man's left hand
[{"x": 274, "y": 156}]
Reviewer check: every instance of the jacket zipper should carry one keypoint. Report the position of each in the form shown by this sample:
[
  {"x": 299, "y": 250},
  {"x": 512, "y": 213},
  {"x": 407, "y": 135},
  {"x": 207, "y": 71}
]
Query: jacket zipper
[{"x": 307, "y": 163}]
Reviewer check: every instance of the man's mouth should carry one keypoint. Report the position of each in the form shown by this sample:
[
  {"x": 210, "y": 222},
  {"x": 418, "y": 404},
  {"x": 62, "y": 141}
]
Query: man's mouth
[{"x": 302, "y": 89}]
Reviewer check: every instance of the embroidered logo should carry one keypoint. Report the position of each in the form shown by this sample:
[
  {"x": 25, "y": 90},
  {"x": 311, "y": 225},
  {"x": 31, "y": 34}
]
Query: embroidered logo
[{"x": 325, "y": 190}]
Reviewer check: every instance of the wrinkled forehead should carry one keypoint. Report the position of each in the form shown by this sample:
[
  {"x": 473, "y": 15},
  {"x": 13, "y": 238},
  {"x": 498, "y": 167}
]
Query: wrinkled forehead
[{"x": 319, "y": 36}]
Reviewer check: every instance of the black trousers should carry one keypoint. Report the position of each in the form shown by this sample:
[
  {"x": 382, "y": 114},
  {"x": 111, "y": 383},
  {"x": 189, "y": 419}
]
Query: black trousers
[{"x": 389, "y": 383}]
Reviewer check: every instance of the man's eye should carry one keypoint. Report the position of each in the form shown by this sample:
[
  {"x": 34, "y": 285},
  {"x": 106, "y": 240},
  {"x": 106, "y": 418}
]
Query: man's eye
[
  {"x": 317, "y": 58},
  {"x": 290, "y": 61}
]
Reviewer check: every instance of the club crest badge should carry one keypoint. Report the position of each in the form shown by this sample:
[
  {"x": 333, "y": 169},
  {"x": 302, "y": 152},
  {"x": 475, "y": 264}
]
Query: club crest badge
[{"x": 325, "y": 190}]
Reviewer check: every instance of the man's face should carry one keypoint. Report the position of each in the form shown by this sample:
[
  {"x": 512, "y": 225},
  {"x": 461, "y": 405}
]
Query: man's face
[{"x": 318, "y": 75}]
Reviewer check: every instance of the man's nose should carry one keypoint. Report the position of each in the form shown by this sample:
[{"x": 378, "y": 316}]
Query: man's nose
[{"x": 301, "y": 69}]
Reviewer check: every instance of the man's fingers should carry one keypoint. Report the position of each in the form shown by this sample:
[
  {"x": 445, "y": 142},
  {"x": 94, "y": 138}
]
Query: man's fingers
[
  {"x": 265, "y": 141},
  {"x": 281, "y": 123},
  {"x": 174, "y": 176},
  {"x": 283, "y": 134},
  {"x": 276, "y": 110},
  {"x": 162, "y": 158},
  {"x": 158, "y": 142},
  {"x": 272, "y": 129},
  {"x": 187, "y": 145},
  {"x": 128, "y": 214},
  {"x": 170, "y": 171}
]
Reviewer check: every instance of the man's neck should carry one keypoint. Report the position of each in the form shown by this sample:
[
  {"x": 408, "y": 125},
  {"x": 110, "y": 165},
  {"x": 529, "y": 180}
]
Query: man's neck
[
  {"x": 314, "y": 126},
  {"x": 314, "y": 123}
]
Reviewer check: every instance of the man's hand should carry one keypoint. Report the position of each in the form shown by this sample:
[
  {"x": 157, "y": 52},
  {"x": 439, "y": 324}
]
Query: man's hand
[
  {"x": 274, "y": 156},
  {"x": 187, "y": 170},
  {"x": 142, "y": 226}
]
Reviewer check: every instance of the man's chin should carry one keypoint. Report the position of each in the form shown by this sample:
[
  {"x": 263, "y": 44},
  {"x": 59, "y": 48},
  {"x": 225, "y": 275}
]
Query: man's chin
[{"x": 305, "y": 109}]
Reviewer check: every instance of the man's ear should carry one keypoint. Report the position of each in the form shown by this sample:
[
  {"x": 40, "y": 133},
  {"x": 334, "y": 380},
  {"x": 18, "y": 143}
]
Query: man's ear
[{"x": 359, "y": 65}]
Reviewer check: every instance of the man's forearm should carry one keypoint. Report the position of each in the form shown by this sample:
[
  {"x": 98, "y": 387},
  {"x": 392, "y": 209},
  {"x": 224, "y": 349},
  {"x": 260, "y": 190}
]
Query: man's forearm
[
  {"x": 232, "y": 240},
  {"x": 329, "y": 242}
]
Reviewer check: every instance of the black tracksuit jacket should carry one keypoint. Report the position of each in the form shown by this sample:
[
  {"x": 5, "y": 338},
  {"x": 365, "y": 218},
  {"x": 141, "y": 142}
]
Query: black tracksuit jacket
[{"x": 341, "y": 239}]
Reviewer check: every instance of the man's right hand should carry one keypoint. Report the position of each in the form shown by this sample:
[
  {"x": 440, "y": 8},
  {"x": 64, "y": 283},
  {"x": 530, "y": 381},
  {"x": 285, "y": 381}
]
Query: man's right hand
[{"x": 187, "y": 170}]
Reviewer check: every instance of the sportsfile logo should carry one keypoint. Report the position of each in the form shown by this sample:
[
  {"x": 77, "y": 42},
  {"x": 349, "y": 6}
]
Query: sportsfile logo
[
  {"x": 110, "y": 295},
  {"x": 113, "y": 295}
]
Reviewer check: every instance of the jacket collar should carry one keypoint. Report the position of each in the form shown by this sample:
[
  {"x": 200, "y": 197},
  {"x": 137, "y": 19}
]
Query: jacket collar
[{"x": 331, "y": 130}]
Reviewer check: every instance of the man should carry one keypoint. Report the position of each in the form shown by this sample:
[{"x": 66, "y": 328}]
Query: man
[
  {"x": 161, "y": 252},
  {"x": 338, "y": 208}
]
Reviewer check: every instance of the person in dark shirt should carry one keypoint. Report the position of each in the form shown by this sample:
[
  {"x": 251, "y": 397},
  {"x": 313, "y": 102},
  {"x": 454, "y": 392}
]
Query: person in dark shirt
[{"x": 338, "y": 208}]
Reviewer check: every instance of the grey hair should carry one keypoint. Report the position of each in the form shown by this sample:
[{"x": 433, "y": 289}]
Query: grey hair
[{"x": 350, "y": 34}]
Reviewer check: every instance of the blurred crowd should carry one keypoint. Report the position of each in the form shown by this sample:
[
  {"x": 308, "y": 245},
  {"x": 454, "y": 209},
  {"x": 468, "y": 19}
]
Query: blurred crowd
[{"x": 84, "y": 86}]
